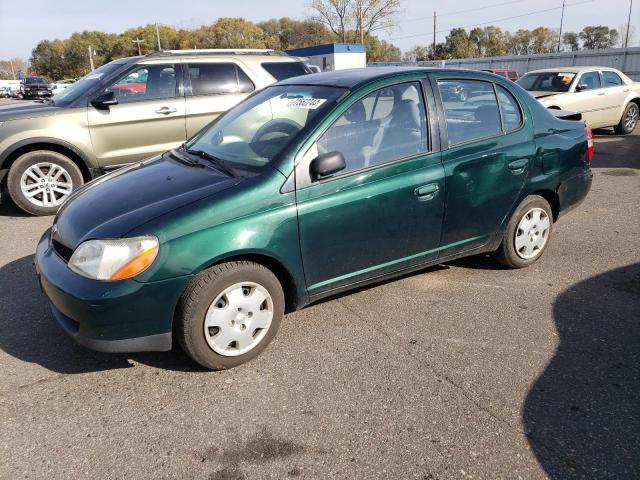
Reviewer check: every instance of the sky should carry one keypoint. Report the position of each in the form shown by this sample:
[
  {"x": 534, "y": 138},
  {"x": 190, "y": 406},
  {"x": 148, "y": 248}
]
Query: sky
[{"x": 22, "y": 28}]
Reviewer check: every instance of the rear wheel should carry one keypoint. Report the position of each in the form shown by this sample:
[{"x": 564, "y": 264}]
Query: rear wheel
[
  {"x": 40, "y": 181},
  {"x": 229, "y": 314},
  {"x": 527, "y": 234},
  {"x": 629, "y": 120}
]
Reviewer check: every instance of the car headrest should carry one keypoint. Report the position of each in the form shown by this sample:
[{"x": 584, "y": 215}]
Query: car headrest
[
  {"x": 487, "y": 113},
  {"x": 406, "y": 115},
  {"x": 356, "y": 113}
]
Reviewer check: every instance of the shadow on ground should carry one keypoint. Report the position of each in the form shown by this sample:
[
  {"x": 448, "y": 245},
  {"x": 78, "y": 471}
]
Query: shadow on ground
[
  {"x": 31, "y": 334},
  {"x": 582, "y": 416},
  {"x": 616, "y": 151}
]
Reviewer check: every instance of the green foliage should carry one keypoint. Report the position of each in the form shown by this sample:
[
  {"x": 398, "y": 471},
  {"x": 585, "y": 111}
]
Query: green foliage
[{"x": 594, "y": 37}]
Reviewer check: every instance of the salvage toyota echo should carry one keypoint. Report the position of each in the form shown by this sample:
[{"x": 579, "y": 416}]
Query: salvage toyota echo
[{"x": 310, "y": 187}]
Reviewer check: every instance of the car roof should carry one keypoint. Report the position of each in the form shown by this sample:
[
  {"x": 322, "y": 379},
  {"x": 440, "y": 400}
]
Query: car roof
[
  {"x": 573, "y": 69},
  {"x": 354, "y": 78}
]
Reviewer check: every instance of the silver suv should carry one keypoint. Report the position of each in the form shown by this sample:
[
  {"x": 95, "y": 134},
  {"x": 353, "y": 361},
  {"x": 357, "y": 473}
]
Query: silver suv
[{"x": 125, "y": 111}]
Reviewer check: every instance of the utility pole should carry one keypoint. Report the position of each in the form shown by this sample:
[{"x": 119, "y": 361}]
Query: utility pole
[
  {"x": 13, "y": 72},
  {"x": 137, "y": 41},
  {"x": 158, "y": 37},
  {"x": 561, "y": 22},
  {"x": 91, "y": 52},
  {"x": 626, "y": 41},
  {"x": 434, "y": 35},
  {"x": 360, "y": 23}
]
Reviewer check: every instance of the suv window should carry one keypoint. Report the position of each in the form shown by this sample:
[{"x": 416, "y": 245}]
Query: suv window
[
  {"x": 35, "y": 81},
  {"x": 611, "y": 79},
  {"x": 511, "y": 114},
  {"x": 282, "y": 70},
  {"x": 218, "y": 78},
  {"x": 471, "y": 110},
  {"x": 591, "y": 80},
  {"x": 387, "y": 124},
  {"x": 146, "y": 82}
]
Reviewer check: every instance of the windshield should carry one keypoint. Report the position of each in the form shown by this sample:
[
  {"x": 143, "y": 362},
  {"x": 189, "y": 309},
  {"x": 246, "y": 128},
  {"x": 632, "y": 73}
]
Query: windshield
[
  {"x": 547, "y": 81},
  {"x": 79, "y": 88},
  {"x": 259, "y": 128}
]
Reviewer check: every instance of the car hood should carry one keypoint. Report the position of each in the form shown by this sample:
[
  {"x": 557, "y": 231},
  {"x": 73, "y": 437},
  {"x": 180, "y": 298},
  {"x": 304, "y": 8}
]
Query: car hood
[
  {"x": 116, "y": 203},
  {"x": 26, "y": 110},
  {"x": 544, "y": 94}
]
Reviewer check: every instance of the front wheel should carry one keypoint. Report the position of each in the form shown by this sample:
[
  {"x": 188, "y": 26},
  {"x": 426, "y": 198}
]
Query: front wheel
[
  {"x": 40, "y": 181},
  {"x": 527, "y": 234},
  {"x": 229, "y": 314},
  {"x": 629, "y": 120}
]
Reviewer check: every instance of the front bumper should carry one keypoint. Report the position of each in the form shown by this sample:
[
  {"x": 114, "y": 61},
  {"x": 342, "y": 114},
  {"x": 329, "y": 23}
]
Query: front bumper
[{"x": 124, "y": 316}]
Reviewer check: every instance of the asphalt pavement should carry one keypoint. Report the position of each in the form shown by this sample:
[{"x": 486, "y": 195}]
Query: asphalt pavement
[{"x": 465, "y": 370}]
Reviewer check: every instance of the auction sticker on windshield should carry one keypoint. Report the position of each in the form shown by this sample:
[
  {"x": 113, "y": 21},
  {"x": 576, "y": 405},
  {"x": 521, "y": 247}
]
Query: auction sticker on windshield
[
  {"x": 307, "y": 103},
  {"x": 566, "y": 77}
]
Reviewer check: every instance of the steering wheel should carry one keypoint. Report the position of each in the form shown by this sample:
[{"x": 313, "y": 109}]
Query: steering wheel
[{"x": 266, "y": 139}]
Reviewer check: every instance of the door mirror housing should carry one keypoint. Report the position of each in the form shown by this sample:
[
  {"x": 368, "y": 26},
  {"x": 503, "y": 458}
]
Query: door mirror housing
[
  {"x": 582, "y": 87},
  {"x": 105, "y": 100},
  {"x": 326, "y": 165}
]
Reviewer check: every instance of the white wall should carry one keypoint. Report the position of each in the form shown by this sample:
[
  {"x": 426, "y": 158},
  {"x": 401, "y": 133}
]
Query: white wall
[{"x": 350, "y": 60}]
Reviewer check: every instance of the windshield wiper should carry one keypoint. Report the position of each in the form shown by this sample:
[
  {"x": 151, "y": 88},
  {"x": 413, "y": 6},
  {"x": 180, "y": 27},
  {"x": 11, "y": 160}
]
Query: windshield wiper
[
  {"x": 220, "y": 164},
  {"x": 186, "y": 160}
]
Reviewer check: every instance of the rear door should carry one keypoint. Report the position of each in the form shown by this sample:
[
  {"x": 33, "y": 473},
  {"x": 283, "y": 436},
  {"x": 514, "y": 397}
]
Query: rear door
[
  {"x": 384, "y": 211},
  {"x": 149, "y": 118},
  {"x": 212, "y": 89},
  {"x": 489, "y": 151},
  {"x": 616, "y": 95}
]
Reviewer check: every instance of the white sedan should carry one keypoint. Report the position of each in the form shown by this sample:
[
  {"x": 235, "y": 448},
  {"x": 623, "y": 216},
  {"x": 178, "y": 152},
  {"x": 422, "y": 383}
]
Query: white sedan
[{"x": 604, "y": 96}]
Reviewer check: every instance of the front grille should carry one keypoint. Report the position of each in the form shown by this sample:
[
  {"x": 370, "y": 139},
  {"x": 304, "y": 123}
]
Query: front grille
[{"x": 64, "y": 252}]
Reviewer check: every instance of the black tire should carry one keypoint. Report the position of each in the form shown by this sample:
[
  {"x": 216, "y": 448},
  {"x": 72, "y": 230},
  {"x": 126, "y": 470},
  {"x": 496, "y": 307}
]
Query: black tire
[
  {"x": 622, "y": 128},
  {"x": 29, "y": 159},
  {"x": 507, "y": 253},
  {"x": 192, "y": 308}
]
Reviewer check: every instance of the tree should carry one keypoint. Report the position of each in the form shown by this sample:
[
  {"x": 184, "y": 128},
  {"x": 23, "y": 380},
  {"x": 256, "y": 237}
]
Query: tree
[
  {"x": 623, "y": 35},
  {"x": 361, "y": 17},
  {"x": 417, "y": 54},
  {"x": 9, "y": 68},
  {"x": 594, "y": 37},
  {"x": 458, "y": 43},
  {"x": 544, "y": 40},
  {"x": 381, "y": 51},
  {"x": 571, "y": 40},
  {"x": 286, "y": 33}
]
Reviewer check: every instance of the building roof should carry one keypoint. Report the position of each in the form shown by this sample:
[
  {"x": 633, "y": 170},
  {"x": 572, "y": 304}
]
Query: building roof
[{"x": 328, "y": 49}]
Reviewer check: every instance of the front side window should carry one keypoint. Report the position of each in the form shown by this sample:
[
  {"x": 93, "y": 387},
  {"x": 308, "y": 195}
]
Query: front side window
[
  {"x": 146, "y": 82},
  {"x": 85, "y": 84},
  {"x": 611, "y": 79},
  {"x": 471, "y": 110},
  {"x": 258, "y": 129},
  {"x": 218, "y": 78},
  {"x": 590, "y": 81},
  {"x": 511, "y": 114},
  {"x": 386, "y": 125}
]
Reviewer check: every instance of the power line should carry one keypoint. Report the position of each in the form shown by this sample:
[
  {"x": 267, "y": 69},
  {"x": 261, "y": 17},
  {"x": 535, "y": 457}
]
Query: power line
[
  {"x": 447, "y": 14},
  {"x": 537, "y": 12}
]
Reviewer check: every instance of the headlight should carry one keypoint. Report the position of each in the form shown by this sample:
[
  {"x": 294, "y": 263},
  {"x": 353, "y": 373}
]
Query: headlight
[{"x": 112, "y": 260}]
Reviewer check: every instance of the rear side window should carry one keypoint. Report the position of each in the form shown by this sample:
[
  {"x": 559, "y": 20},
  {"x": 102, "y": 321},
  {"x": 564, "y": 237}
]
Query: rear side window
[
  {"x": 471, "y": 110},
  {"x": 282, "y": 70},
  {"x": 218, "y": 78},
  {"x": 511, "y": 114},
  {"x": 611, "y": 79}
]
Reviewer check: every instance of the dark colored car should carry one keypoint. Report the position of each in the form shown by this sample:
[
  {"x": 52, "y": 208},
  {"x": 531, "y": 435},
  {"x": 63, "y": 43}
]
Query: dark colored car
[
  {"x": 308, "y": 188},
  {"x": 35, "y": 87},
  {"x": 504, "y": 72}
]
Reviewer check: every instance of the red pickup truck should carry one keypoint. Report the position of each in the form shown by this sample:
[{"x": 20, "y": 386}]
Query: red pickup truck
[{"x": 504, "y": 72}]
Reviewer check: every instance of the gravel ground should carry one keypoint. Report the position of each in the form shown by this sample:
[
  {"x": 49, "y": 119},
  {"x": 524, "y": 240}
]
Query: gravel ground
[{"x": 465, "y": 370}]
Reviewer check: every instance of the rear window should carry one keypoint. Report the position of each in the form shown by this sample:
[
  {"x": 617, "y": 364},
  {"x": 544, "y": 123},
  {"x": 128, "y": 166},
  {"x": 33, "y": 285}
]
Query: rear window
[
  {"x": 282, "y": 70},
  {"x": 218, "y": 78},
  {"x": 34, "y": 80}
]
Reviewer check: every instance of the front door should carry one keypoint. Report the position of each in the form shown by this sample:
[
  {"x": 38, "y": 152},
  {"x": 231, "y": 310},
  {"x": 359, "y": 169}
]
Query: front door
[
  {"x": 486, "y": 164},
  {"x": 384, "y": 211},
  {"x": 591, "y": 101},
  {"x": 149, "y": 118}
]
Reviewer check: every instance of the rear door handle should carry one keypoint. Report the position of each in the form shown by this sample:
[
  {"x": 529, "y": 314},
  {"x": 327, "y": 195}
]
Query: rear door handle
[
  {"x": 426, "y": 192},
  {"x": 600, "y": 94},
  {"x": 166, "y": 110},
  {"x": 518, "y": 165}
]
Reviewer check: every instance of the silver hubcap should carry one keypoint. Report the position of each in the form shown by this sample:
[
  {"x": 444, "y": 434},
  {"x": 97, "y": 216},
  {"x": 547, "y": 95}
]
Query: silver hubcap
[
  {"x": 238, "y": 319},
  {"x": 532, "y": 233},
  {"x": 631, "y": 119},
  {"x": 46, "y": 184}
]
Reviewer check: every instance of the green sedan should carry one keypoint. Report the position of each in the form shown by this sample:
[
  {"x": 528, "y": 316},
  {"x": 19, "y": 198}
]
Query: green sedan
[{"x": 311, "y": 187}]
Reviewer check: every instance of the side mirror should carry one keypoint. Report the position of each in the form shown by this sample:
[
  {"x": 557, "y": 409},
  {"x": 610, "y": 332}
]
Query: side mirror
[
  {"x": 582, "y": 87},
  {"x": 326, "y": 165},
  {"x": 105, "y": 100}
]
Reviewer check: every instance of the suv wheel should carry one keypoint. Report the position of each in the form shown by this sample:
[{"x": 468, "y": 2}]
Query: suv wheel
[
  {"x": 629, "y": 120},
  {"x": 40, "y": 181},
  {"x": 229, "y": 314},
  {"x": 527, "y": 234}
]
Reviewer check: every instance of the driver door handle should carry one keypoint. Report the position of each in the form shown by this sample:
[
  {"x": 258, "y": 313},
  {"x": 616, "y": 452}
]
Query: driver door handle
[
  {"x": 166, "y": 110},
  {"x": 426, "y": 192}
]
